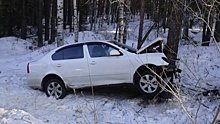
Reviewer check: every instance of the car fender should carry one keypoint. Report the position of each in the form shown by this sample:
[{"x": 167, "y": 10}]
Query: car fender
[
  {"x": 53, "y": 73},
  {"x": 154, "y": 59}
]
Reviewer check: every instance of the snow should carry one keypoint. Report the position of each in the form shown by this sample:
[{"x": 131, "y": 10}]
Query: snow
[{"x": 20, "y": 104}]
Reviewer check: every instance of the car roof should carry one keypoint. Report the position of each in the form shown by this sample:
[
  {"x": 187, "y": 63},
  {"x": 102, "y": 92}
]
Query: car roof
[
  {"x": 92, "y": 41},
  {"x": 84, "y": 42}
]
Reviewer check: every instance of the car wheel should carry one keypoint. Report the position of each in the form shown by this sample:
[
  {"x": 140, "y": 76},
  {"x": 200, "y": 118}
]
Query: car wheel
[
  {"x": 55, "y": 88},
  {"x": 148, "y": 83}
]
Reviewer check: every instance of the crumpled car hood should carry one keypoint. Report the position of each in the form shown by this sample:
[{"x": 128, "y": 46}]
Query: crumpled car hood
[{"x": 155, "y": 44}]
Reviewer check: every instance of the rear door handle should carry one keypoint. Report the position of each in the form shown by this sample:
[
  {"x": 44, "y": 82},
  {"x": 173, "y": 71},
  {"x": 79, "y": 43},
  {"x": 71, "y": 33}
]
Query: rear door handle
[{"x": 58, "y": 65}]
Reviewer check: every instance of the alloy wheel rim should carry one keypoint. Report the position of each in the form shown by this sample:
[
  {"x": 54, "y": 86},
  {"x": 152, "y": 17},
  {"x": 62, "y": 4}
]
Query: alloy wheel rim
[
  {"x": 148, "y": 83},
  {"x": 54, "y": 89}
]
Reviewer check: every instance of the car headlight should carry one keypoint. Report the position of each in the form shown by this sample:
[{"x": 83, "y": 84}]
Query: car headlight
[{"x": 165, "y": 59}]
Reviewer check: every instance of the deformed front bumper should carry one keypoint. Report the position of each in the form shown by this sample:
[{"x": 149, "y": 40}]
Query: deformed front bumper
[{"x": 173, "y": 71}]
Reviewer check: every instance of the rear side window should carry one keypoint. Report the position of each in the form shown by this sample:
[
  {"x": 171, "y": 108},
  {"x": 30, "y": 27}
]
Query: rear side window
[{"x": 69, "y": 52}]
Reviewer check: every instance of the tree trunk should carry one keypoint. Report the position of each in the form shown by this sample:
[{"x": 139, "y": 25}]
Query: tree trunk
[
  {"x": 207, "y": 32},
  {"x": 217, "y": 26},
  {"x": 47, "y": 19},
  {"x": 140, "y": 42},
  {"x": 127, "y": 19},
  {"x": 53, "y": 22},
  {"x": 40, "y": 9},
  {"x": 23, "y": 25},
  {"x": 60, "y": 31},
  {"x": 148, "y": 32},
  {"x": 121, "y": 21},
  {"x": 186, "y": 21},
  {"x": 76, "y": 31},
  {"x": 64, "y": 13},
  {"x": 116, "y": 30},
  {"x": 204, "y": 32},
  {"x": 207, "y": 38},
  {"x": 217, "y": 31},
  {"x": 95, "y": 15},
  {"x": 175, "y": 23},
  {"x": 208, "y": 22},
  {"x": 109, "y": 12},
  {"x": 92, "y": 14},
  {"x": 70, "y": 15}
]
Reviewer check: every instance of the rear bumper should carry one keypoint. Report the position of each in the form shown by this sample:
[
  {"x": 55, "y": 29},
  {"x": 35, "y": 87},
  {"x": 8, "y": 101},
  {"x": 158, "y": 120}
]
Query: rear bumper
[{"x": 34, "y": 81}]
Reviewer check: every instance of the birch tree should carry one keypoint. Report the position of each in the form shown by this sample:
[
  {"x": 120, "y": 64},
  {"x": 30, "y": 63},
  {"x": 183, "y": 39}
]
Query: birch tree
[
  {"x": 60, "y": 31},
  {"x": 121, "y": 21},
  {"x": 76, "y": 30}
]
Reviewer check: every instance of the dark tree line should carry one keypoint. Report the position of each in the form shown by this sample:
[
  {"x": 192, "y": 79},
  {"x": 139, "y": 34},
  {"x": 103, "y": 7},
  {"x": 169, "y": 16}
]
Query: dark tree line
[{"x": 27, "y": 18}]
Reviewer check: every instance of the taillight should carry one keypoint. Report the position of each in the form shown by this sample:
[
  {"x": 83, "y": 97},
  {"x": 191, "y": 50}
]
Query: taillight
[{"x": 28, "y": 69}]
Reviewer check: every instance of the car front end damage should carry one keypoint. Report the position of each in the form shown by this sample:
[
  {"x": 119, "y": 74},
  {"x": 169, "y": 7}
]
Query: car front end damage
[
  {"x": 169, "y": 71},
  {"x": 170, "y": 76}
]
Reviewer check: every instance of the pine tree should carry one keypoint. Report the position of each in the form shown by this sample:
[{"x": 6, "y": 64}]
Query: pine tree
[
  {"x": 23, "y": 22},
  {"x": 40, "y": 9},
  {"x": 47, "y": 9},
  {"x": 140, "y": 41},
  {"x": 174, "y": 24}
]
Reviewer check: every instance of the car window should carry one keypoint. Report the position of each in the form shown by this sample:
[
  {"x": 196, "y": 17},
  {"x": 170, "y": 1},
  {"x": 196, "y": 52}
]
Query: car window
[
  {"x": 69, "y": 52},
  {"x": 100, "y": 50},
  {"x": 124, "y": 46}
]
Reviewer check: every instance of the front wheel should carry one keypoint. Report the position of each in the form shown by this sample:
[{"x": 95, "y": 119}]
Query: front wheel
[
  {"x": 148, "y": 83},
  {"x": 55, "y": 88}
]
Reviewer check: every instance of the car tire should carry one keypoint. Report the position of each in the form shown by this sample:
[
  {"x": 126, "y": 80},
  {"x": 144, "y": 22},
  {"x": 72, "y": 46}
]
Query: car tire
[
  {"x": 55, "y": 88},
  {"x": 148, "y": 83}
]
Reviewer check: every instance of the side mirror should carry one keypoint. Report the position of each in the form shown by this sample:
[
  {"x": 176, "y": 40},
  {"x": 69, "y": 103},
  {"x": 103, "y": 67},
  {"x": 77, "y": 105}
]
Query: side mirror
[{"x": 115, "y": 53}]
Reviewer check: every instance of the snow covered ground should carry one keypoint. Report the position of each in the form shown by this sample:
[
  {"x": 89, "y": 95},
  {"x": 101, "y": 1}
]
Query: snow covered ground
[{"x": 19, "y": 104}]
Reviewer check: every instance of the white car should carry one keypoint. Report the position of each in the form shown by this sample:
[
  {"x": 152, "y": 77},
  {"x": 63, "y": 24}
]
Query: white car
[{"x": 94, "y": 63}]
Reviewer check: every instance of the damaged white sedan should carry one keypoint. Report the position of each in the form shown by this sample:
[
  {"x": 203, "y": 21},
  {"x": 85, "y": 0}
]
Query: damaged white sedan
[{"x": 95, "y": 63}]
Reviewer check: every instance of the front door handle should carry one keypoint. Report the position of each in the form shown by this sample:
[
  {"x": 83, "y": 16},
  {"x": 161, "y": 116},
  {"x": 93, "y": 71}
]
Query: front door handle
[{"x": 93, "y": 63}]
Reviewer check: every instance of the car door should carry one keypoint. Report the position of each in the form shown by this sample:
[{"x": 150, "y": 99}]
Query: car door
[
  {"x": 106, "y": 69},
  {"x": 71, "y": 63}
]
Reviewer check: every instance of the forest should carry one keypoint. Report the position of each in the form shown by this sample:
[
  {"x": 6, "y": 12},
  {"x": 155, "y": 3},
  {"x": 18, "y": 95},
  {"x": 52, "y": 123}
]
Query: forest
[
  {"x": 46, "y": 19},
  {"x": 192, "y": 31}
]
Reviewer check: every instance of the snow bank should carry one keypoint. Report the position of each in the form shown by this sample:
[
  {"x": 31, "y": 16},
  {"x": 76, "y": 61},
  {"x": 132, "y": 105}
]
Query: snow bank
[{"x": 17, "y": 117}]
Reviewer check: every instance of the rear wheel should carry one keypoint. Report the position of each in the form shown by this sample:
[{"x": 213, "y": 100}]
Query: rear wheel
[
  {"x": 148, "y": 83},
  {"x": 55, "y": 88}
]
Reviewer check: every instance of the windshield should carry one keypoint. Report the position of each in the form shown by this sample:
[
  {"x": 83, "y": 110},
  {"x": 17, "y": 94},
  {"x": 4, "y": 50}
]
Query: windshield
[{"x": 124, "y": 46}]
